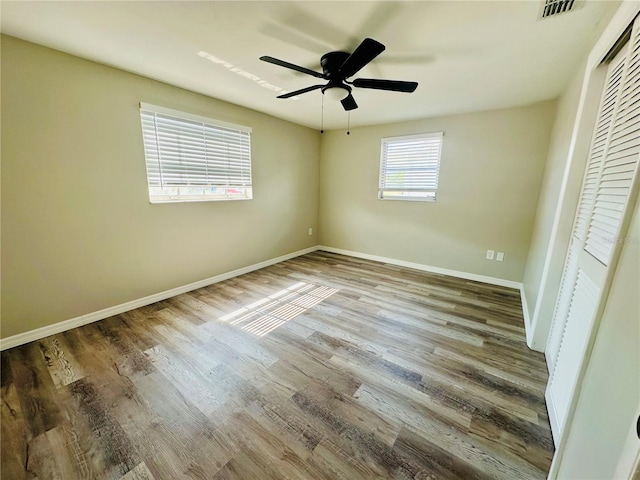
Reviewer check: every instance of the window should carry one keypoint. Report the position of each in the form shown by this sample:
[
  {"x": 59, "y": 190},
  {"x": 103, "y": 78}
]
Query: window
[
  {"x": 409, "y": 167},
  {"x": 191, "y": 158}
]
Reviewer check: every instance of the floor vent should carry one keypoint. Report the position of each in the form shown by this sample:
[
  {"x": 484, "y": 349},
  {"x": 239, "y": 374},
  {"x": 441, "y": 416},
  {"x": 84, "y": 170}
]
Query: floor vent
[{"x": 553, "y": 8}]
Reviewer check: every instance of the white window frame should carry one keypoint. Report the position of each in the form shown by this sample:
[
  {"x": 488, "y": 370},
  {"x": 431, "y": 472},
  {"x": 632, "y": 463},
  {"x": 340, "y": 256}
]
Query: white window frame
[
  {"x": 420, "y": 193},
  {"x": 190, "y": 183}
]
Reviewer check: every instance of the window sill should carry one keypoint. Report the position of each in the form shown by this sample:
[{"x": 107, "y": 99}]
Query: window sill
[
  {"x": 409, "y": 199},
  {"x": 428, "y": 200},
  {"x": 192, "y": 200}
]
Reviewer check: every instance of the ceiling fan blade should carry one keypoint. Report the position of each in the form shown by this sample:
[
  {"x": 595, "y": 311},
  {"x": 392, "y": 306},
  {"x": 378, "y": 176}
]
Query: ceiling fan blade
[
  {"x": 349, "y": 103},
  {"x": 392, "y": 85},
  {"x": 299, "y": 92},
  {"x": 297, "y": 68},
  {"x": 366, "y": 51}
]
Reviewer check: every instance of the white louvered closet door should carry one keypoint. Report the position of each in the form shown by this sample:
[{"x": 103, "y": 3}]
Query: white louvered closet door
[
  {"x": 587, "y": 196},
  {"x": 608, "y": 185}
]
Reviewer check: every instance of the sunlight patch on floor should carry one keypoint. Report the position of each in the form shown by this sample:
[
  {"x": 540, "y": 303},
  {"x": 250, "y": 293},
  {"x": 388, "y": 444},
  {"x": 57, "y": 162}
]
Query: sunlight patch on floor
[{"x": 267, "y": 314}]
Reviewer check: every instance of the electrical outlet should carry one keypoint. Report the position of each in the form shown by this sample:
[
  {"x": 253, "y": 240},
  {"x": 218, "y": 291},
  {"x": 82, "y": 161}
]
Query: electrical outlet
[
  {"x": 490, "y": 254},
  {"x": 310, "y": 231},
  {"x": 500, "y": 256}
]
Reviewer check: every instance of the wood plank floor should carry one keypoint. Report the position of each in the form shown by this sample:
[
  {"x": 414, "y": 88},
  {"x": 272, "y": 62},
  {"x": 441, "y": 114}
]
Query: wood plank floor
[{"x": 320, "y": 367}]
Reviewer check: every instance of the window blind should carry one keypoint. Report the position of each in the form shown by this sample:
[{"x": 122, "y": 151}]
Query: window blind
[
  {"x": 194, "y": 158},
  {"x": 409, "y": 167}
]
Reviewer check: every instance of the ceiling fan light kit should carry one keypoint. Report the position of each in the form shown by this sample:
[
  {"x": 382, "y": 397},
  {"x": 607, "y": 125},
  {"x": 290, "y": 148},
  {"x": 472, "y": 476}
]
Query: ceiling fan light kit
[
  {"x": 336, "y": 93},
  {"x": 337, "y": 67}
]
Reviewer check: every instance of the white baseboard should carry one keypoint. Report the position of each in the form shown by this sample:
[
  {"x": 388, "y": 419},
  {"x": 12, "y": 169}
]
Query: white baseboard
[
  {"x": 527, "y": 323},
  {"x": 426, "y": 268},
  {"x": 553, "y": 417},
  {"x": 65, "y": 325}
]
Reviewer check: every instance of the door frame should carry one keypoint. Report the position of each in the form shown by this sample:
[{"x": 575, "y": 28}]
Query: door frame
[{"x": 580, "y": 143}]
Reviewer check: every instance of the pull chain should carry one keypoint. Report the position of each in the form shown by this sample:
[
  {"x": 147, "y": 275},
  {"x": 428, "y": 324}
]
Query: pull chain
[
  {"x": 349, "y": 122},
  {"x": 322, "y": 116}
]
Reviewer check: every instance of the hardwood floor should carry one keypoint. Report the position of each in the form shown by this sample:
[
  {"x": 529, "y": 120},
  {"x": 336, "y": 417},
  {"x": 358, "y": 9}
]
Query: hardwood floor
[{"x": 320, "y": 367}]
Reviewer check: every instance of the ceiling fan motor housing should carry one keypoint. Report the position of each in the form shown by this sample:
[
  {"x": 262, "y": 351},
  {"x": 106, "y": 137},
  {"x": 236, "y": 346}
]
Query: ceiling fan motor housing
[{"x": 331, "y": 63}]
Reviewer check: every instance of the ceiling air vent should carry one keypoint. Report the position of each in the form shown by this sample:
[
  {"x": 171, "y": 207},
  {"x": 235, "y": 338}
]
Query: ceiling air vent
[{"x": 553, "y": 8}]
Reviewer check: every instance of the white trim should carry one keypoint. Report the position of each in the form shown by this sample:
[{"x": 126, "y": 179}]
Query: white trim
[
  {"x": 65, "y": 325},
  {"x": 408, "y": 199},
  {"x": 427, "y": 159},
  {"x": 527, "y": 321},
  {"x": 425, "y": 268},
  {"x": 413, "y": 137},
  {"x": 191, "y": 116},
  {"x": 625, "y": 14},
  {"x": 553, "y": 418},
  {"x": 42, "y": 332},
  {"x": 579, "y": 144},
  {"x": 556, "y": 250}
]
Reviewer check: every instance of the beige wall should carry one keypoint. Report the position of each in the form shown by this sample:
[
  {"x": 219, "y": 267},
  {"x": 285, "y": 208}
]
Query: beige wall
[
  {"x": 559, "y": 195},
  {"x": 610, "y": 395},
  {"x": 78, "y": 231},
  {"x": 551, "y": 187},
  {"x": 492, "y": 165}
]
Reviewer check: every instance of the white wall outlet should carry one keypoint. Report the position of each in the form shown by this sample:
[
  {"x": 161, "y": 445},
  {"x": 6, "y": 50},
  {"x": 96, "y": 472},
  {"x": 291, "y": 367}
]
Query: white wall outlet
[
  {"x": 310, "y": 231},
  {"x": 500, "y": 256},
  {"x": 490, "y": 254}
]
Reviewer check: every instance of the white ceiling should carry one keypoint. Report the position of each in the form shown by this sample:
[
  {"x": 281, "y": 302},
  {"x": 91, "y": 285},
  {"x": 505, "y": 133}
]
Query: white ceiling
[{"x": 466, "y": 55}]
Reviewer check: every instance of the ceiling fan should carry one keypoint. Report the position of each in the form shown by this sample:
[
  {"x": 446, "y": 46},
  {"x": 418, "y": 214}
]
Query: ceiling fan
[{"x": 337, "y": 67}]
